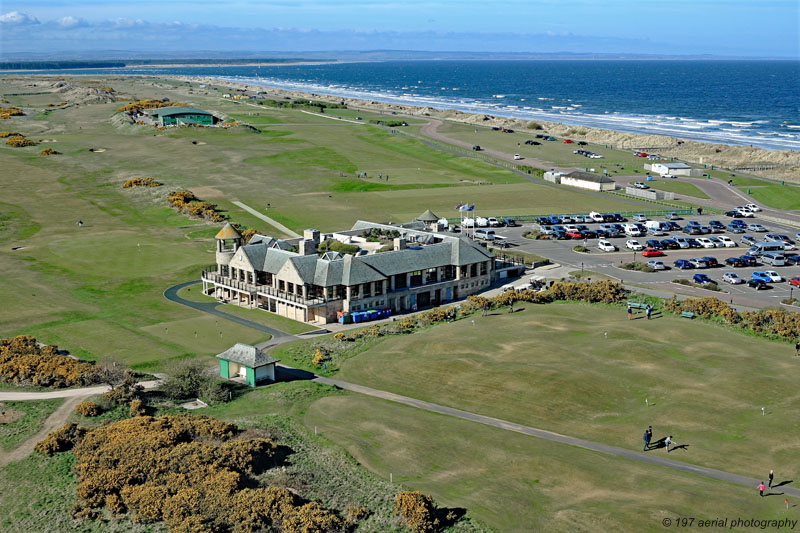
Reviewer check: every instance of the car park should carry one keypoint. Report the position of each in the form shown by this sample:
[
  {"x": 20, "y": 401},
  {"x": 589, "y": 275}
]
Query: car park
[
  {"x": 757, "y": 284},
  {"x": 698, "y": 263},
  {"x": 655, "y": 264},
  {"x": 633, "y": 244},
  {"x": 732, "y": 278},
  {"x": 703, "y": 279},
  {"x": 727, "y": 242},
  {"x": 606, "y": 246},
  {"x": 795, "y": 281},
  {"x": 652, "y": 252},
  {"x": 735, "y": 262},
  {"x": 762, "y": 276},
  {"x": 711, "y": 262},
  {"x": 683, "y": 264}
]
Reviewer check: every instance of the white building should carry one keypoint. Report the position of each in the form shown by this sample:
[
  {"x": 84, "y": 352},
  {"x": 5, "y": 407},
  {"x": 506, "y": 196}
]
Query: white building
[
  {"x": 553, "y": 176},
  {"x": 586, "y": 180},
  {"x": 676, "y": 169}
]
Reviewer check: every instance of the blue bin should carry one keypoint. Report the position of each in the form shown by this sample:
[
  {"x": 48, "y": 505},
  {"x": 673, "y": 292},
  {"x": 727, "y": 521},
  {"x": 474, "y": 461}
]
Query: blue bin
[{"x": 357, "y": 317}]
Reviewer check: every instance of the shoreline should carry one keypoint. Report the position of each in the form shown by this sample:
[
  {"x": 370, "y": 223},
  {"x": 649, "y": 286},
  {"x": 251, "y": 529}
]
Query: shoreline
[{"x": 775, "y": 164}]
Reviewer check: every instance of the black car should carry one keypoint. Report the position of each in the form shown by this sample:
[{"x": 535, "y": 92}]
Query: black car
[
  {"x": 710, "y": 261},
  {"x": 495, "y": 128},
  {"x": 757, "y": 284},
  {"x": 540, "y": 136},
  {"x": 694, "y": 243},
  {"x": 733, "y": 214},
  {"x": 735, "y": 262},
  {"x": 749, "y": 260},
  {"x": 561, "y": 235},
  {"x": 602, "y": 233},
  {"x": 582, "y": 143},
  {"x": 673, "y": 226},
  {"x": 670, "y": 244},
  {"x": 713, "y": 224},
  {"x": 618, "y": 217},
  {"x": 653, "y": 243},
  {"x": 588, "y": 234},
  {"x": 792, "y": 258},
  {"x": 542, "y": 220}
]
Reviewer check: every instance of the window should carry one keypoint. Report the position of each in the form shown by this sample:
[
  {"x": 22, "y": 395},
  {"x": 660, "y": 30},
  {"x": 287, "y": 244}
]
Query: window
[
  {"x": 378, "y": 288},
  {"x": 367, "y": 288}
]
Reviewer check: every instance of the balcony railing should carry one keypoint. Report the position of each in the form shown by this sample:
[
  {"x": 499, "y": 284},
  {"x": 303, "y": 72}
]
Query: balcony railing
[
  {"x": 265, "y": 290},
  {"x": 229, "y": 282}
]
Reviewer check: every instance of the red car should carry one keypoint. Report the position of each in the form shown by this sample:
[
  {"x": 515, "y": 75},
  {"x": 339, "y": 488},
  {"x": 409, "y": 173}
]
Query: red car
[
  {"x": 641, "y": 154},
  {"x": 567, "y": 141},
  {"x": 575, "y": 234},
  {"x": 795, "y": 281},
  {"x": 652, "y": 252}
]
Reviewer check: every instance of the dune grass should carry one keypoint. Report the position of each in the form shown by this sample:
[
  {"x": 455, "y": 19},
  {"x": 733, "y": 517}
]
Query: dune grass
[{"x": 28, "y": 418}]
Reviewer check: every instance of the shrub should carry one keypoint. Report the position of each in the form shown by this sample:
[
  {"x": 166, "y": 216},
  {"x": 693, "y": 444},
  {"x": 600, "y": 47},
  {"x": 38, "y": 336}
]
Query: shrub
[
  {"x": 4, "y": 134},
  {"x": 124, "y": 393},
  {"x": 341, "y": 337},
  {"x": 356, "y": 513},
  {"x": 581, "y": 249},
  {"x": 19, "y": 141},
  {"x": 24, "y": 361},
  {"x": 333, "y": 245},
  {"x": 136, "y": 408},
  {"x": 418, "y": 511},
  {"x": 637, "y": 266},
  {"x": 49, "y": 151},
  {"x": 184, "y": 379},
  {"x": 213, "y": 391},
  {"x": 147, "y": 104},
  {"x": 8, "y": 112},
  {"x": 535, "y": 235},
  {"x": 534, "y": 126},
  {"x": 319, "y": 357},
  {"x": 141, "y": 182},
  {"x": 88, "y": 409},
  {"x": 61, "y": 440}
]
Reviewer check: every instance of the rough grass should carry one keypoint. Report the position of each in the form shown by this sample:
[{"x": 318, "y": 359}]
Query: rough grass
[{"x": 28, "y": 420}]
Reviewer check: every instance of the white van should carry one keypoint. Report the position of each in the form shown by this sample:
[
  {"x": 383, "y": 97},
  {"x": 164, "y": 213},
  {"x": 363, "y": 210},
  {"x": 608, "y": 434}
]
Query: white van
[
  {"x": 597, "y": 217},
  {"x": 485, "y": 234},
  {"x": 761, "y": 248},
  {"x": 656, "y": 225},
  {"x": 632, "y": 230}
]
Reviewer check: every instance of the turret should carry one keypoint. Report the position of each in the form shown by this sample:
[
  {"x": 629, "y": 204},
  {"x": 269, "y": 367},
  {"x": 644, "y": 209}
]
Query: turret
[{"x": 228, "y": 241}]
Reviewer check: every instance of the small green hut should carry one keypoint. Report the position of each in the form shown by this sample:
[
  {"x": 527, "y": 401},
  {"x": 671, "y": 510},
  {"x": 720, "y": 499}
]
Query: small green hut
[{"x": 248, "y": 362}]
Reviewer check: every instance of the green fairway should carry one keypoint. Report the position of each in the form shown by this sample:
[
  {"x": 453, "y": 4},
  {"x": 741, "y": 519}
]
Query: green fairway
[
  {"x": 678, "y": 187},
  {"x": 552, "y": 367},
  {"x": 513, "y": 482},
  {"x": 776, "y": 196}
]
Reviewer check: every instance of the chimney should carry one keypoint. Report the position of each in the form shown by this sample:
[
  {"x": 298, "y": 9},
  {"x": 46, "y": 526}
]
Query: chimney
[
  {"x": 311, "y": 234},
  {"x": 399, "y": 244},
  {"x": 307, "y": 247}
]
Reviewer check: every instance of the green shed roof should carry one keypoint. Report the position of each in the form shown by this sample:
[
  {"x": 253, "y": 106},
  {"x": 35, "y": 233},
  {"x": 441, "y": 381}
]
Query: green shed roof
[{"x": 177, "y": 110}]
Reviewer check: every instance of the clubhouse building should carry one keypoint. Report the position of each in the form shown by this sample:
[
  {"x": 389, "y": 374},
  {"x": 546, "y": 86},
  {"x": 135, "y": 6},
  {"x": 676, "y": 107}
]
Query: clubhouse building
[{"x": 388, "y": 267}]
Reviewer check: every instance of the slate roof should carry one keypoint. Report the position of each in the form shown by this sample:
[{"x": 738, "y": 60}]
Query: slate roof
[
  {"x": 587, "y": 176},
  {"x": 428, "y": 216},
  {"x": 246, "y": 355},
  {"x": 228, "y": 232}
]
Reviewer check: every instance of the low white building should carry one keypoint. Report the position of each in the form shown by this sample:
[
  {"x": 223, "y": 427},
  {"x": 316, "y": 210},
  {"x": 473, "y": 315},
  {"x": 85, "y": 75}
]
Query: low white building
[
  {"x": 676, "y": 169},
  {"x": 587, "y": 180},
  {"x": 553, "y": 176}
]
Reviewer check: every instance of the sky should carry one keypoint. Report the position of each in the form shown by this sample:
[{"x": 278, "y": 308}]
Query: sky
[{"x": 755, "y": 28}]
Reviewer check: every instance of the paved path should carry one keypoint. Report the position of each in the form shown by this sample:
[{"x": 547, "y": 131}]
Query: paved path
[
  {"x": 266, "y": 219},
  {"x": 171, "y": 294},
  {"x": 655, "y": 457},
  {"x": 51, "y": 423},
  {"x": 65, "y": 393}
]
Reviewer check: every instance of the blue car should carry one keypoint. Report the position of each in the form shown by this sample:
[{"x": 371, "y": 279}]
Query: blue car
[
  {"x": 683, "y": 264},
  {"x": 703, "y": 279},
  {"x": 762, "y": 276},
  {"x": 553, "y": 220}
]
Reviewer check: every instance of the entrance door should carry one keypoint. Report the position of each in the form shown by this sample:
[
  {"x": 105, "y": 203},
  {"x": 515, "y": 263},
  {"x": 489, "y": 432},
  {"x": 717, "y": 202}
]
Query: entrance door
[{"x": 424, "y": 299}]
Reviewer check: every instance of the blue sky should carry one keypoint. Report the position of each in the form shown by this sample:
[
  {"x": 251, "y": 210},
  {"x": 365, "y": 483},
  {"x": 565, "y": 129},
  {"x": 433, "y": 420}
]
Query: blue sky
[{"x": 719, "y": 27}]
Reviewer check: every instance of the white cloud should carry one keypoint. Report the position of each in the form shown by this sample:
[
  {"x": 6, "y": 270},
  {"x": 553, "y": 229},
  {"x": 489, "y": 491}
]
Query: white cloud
[
  {"x": 15, "y": 18},
  {"x": 71, "y": 22}
]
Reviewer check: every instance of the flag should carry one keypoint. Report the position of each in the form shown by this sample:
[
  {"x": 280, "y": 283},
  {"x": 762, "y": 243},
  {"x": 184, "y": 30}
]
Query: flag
[
  {"x": 458, "y": 206},
  {"x": 471, "y": 208},
  {"x": 464, "y": 207}
]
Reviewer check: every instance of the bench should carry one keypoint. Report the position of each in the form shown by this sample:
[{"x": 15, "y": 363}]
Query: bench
[
  {"x": 637, "y": 305},
  {"x": 687, "y": 314}
]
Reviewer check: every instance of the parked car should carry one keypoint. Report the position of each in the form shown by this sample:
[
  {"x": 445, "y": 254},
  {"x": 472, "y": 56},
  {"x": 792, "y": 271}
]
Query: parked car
[
  {"x": 698, "y": 263},
  {"x": 582, "y": 143},
  {"x": 717, "y": 243},
  {"x": 653, "y": 243},
  {"x": 652, "y": 252},
  {"x": 493, "y": 222},
  {"x": 715, "y": 224},
  {"x": 788, "y": 243},
  {"x": 703, "y": 279},
  {"x": 517, "y": 157},
  {"x": 757, "y": 284},
  {"x": 762, "y": 276},
  {"x": 773, "y": 237},
  {"x": 669, "y": 244},
  {"x": 706, "y": 243},
  {"x": 692, "y": 230},
  {"x": 672, "y": 216},
  {"x": 795, "y": 281},
  {"x": 574, "y": 234},
  {"x": 606, "y": 246},
  {"x": 476, "y": 147},
  {"x": 640, "y": 218},
  {"x": 682, "y": 242},
  {"x": 734, "y": 228},
  {"x": 746, "y": 213},
  {"x": 693, "y": 243},
  {"x": 749, "y": 240},
  {"x": 727, "y": 242},
  {"x": 791, "y": 259},
  {"x": 740, "y": 223},
  {"x": 710, "y": 261},
  {"x": 568, "y": 141},
  {"x": 655, "y": 264},
  {"x": 756, "y": 227},
  {"x": 773, "y": 276},
  {"x": 683, "y": 264},
  {"x": 732, "y": 278},
  {"x": 640, "y": 185},
  {"x": 749, "y": 260},
  {"x": 510, "y": 223},
  {"x": 633, "y": 244},
  {"x": 735, "y": 262},
  {"x": 733, "y": 214},
  {"x": 753, "y": 207}
]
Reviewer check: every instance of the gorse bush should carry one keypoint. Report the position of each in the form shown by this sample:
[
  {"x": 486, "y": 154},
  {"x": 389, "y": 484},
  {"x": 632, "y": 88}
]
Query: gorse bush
[
  {"x": 147, "y": 104},
  {"x": 61, "y": 440},
  {"x": 141, "y": 182},
  {"x": 188, "y": 204},
  {"x": 49, "y": 151},
  {"x": 88, "y": 409},
  {"x": 8, "y": 112},
  {"x": 186, "y": 471},
  {"x": 24, "y": 362},
  {"x": 19, "y": 141}
]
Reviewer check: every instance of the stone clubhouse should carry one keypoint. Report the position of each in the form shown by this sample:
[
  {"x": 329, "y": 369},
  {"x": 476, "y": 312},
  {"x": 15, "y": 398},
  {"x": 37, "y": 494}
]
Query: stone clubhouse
[{"x": 408, "y": 267}]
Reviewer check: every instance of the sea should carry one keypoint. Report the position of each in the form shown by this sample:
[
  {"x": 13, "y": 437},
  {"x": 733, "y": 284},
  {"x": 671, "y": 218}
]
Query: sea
[{"x": 736, "y": 102}]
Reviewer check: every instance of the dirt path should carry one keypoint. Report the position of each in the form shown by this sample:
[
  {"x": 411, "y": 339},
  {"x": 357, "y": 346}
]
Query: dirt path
[
  {"x": 51, "y": 423},
  {"x": 266, "y": 219},
  {"x": 65, "y": 393}
]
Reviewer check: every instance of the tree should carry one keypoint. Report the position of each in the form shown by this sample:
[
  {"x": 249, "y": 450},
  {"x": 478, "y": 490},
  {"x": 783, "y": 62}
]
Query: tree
[
  {"x": 185, "y": 379},
  {"x": 111, "y": 372}
]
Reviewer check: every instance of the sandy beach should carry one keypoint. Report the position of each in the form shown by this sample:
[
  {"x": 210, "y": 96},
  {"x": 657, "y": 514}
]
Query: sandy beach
[{"x": 772, "y": 164}]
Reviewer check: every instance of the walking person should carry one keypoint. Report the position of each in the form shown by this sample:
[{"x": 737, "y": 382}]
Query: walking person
[
  {"x": 648, "y": 310},
  {"x": 511, "y": 307},
  {"x": 630, "y": 312},
  {"x": 647, "y": 437},
  {"x": 485, "y": 306},
  {"x": 667, "y": 442},
  {"x": 797, "y": 349},
  {"x": 771, "y": 478},
  {"x": 761, "y": 488}
]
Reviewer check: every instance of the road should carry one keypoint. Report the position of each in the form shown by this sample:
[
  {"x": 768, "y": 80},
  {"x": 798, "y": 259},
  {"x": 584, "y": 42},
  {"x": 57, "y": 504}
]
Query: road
[{"x": 266, "y": 219}]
